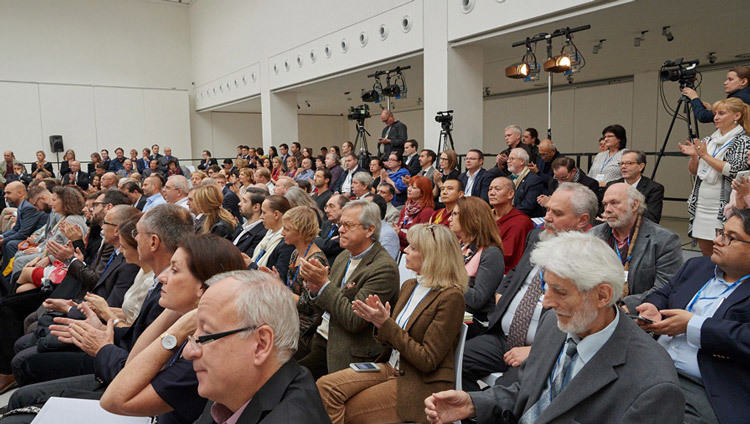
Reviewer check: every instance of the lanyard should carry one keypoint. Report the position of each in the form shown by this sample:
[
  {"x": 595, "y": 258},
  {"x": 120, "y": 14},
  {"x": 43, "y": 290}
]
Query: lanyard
[
  {"x": 607, "y": 161},
  {"x": 402, "y": 319},
  {"x": 333, "y": 228},
  {"x": 617, "y": 250},
  {"x": 288, "y": 283},
  {"x": 698, "y": 295},
  {"x": 343, "y": 280},
  {"x": 718, "y": 150}
]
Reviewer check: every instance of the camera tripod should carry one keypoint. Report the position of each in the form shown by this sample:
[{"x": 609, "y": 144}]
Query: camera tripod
[
  {"x": 692, "y": 128},
  {"x": 364, "y": 154},
  {"x": 445, "y": 138}
]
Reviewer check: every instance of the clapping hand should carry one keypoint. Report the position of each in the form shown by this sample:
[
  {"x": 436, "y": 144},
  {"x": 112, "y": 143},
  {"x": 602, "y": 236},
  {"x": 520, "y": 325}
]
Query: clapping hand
[{"x": 373, "y": 311}]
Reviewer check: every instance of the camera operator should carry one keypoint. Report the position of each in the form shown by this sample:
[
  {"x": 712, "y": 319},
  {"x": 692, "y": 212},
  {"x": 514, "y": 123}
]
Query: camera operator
[
  {"x": 394, "y": 134},
  {"x": 736, "y": 85}
]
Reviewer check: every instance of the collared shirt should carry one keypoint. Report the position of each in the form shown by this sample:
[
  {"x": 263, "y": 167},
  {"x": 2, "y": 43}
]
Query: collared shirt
[
  {"x": 589, "y": 346},
  {"x": 470, "y": 182},
  {"x": 635, "y": 184},
  {"x": 425, "y": 171},
  {"x": 684, "y": 348},
  {"x": 346, "y": 186},
  {"x": 507, "y": 318},
  {"x": 352, "y": 264},
  {"x": 223, "y": 415},
  {"x": 245, "y": 228},
  {"x": 183, "y": 203},
  {"x": 152, "y": 201},
  {"x": 389, "y": 239}
]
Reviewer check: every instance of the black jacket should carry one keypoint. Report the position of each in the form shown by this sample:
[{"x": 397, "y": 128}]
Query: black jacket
[
  {"x": 398, "y": 137},
  {"x": 250, "y": 239},
  {"x": 328, "y": 241}
]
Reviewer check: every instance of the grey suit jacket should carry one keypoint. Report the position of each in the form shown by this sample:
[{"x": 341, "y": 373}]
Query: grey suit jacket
[
  {"x": 629, "y": 380},
  {"x": 657, "y": 256},
  {"x": 349, "y": 336}
]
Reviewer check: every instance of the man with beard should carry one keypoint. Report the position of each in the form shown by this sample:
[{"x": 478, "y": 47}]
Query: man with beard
[
  {"x": 510, "y": 333},
  {"x": 650, "y": 253},
  {"x": 590, "y": 363}
]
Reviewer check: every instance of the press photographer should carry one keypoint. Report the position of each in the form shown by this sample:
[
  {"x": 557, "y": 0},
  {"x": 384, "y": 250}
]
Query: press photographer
[
  {"x": 394, "y": 134},
  {"x": 736, "y": 85}
]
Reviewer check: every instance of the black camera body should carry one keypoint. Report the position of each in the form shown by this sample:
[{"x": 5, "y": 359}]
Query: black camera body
[
  {"x": 680, "y": 70},
  {"x": 445, "y": 118},
  {"x": 359, "y": 113}
]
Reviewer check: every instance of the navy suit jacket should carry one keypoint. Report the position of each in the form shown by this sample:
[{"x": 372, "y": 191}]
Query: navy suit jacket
[
  {"x": 250, "y": 239},
  {"x": 341, "y": 179},
  {"x": 527, "y": 191},
  {"x": 725, "y": 338},
  {"x": 29, "y": 220},
  {"x": 328, "y": 244},
  {"x": 231, "y": 202},
  {"x": 481, "y": 185}
]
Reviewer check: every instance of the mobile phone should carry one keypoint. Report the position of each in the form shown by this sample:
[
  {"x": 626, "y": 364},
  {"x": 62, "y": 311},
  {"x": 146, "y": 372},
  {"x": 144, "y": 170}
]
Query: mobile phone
[
  {"x": 743, "y": 174},
  {"x": 364, "y": 366},
  {"x": 644, "y": 319}
]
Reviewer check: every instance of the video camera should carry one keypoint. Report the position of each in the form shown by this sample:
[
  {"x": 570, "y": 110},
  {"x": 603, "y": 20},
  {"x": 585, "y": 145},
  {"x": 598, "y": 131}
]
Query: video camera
[
  {"x": 445, "y": 118},
  {"x": 680, "y": 70},
  {"x": 359, "y": 113}
]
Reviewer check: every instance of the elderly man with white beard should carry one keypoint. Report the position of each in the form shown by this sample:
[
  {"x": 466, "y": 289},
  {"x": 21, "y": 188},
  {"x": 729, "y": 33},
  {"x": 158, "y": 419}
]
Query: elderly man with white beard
[{"x": 650, "y": 253}]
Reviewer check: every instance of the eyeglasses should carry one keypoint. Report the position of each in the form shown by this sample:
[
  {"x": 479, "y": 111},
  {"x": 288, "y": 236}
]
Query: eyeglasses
[
  {"x": 726, "y": 239},
  {"x": 208, "y": 338},
  {"x": 109, "y": 223},
  {"x": 95, "y": 204},
  {"x": 349, "y": 225},
  {"x": 563, "y": 179},
  {"x": 134, "y": 233},
  {"x": 628, "y": 163}
]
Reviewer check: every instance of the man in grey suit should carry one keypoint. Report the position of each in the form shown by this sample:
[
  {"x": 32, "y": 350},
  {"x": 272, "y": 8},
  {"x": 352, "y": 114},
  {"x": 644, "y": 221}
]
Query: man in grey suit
[
  {"x": 590, "y": 363},
  {"x": 650, "y": 253},
  {"x": 365, "y": 268}
]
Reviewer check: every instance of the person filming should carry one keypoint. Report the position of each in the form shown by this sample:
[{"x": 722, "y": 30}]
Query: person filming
[{"x": 736, "y": 85}]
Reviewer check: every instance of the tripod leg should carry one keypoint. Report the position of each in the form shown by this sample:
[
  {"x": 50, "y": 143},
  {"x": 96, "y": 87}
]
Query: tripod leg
[{"x": 666, "y": 138}]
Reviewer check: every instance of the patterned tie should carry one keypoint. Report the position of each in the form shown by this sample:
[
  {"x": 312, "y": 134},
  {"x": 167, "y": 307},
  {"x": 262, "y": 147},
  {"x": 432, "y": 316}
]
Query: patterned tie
[
  {"x": 550, "y": 393},
  {"x": 519, "y": 326}
]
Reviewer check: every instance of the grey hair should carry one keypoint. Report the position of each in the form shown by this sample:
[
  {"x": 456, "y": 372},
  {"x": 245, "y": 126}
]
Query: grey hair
[
  {"x": 514, "y": 128},
  {"x": 369, "y": 217},
  {"x": 180, "y": 183},
  {"x": 334, "y": 156},
  {"x": 633, "y": 195},
  {"x": 640, "y": 157},
  {"x": 582, "y": 199},
  {"x": 521, "y": 153},
  {"x": 595, "y": 262},
  {"x": 298, "y": 197},
  {"x": 364, "y": 178},
  {"x": 170, "y": 222},
  {"x": 262, "y": 299}
]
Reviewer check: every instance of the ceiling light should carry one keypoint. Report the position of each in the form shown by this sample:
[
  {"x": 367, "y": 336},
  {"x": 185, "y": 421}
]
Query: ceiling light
[
  {"x": 559, "y": 63},
  {"x": 667, "y": 33}
]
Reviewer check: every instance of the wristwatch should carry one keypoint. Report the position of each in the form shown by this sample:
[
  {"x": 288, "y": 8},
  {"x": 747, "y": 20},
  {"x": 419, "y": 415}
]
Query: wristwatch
[{"x": 168, "y": 341}]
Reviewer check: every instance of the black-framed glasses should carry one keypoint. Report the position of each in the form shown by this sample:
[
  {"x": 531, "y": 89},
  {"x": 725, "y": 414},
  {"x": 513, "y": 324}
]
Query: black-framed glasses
[
  {"x": 109, "y": 223},
  {"x": 208, "y": 338},
  {"x": 726, "y": 239}
]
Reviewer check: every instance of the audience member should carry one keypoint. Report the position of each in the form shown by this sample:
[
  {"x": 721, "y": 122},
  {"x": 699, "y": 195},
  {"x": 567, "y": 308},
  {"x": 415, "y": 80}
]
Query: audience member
[
  {"x": 701, "y": 317},
  {"x": 510, "y": 333},
  {"x": 41, "y": 163},
  {"x": 418, "y": 209},
  {"x": 28, "y": 220},
  {"x": 411, "y": 158},
  {"x": 328, "y": 237},
  {"x": 206, "y": 161},
  {"x": 388, "y": 192},
  {"x": 306, "y": 171},
  {"x": 419, "y": 337},
  {"x": 265, "y": 383},
  {"x": 361, "y": 185},
  {"x": 450, "y": 192},
  {"x": 513, "y": 225},
  {"x": 530, "y": 138},
  {"x": 218, "y": 221},
  {"x": 272, "y": 252},
  {"x": 176, "y": 190},
  {"x": 740, "y": 197},
  {"x": 116, "y": 164},
  {"x": 606, "y": 165},
  {"x": 152, "y": 190},
  {"x": 394, "y": 175},
  {"x": 448, "y": 169},
  {"x": 345, "y": 182},
  {"x": 564, "y": 171},
  {"x": 332, "y": 163},
  {"x": 76, "y": 176},
  {"x": 513, "y": 139},
  {"x": 388, "y": 237},
  {"x": 529, "y": 186},
  {"x": 364, "y": 269},
  {"x": 427, "y": 164},
  {"x": 476, "y": 180},
  {"x": 543, "y": 165},
  {"x": 134, "y": 192},
  {"x": 230, "y": 201},
  {"x": 632, "y": 164},
  {"x": 247, "y": 236},
  {"x": 564, "y": 377},
  {"x": 283, "y": 184},
  {"x": 322, "y": 180},
  {"x": 482, "y": 251},
  {"x": 263, "y": 177},
  {"x": 68, "y": 156},
  {"x": 376, "y": 164}
]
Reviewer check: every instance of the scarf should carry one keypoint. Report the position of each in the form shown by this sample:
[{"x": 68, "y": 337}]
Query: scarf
[
  {"x": 266, "y": 246},
  {"x": 411, "y": 210},
  {"x": 716, "y": 146}
]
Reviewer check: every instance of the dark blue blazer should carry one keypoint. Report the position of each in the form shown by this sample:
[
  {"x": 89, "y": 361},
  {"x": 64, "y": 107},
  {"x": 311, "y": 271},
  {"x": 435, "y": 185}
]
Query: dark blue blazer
[
  {"x": 528, "y": 190},
  {"x": 725, "y": 338},
  {"x": 481, "y": 185},
  {"x": 341, "y": 179},
  {"x": 29, "y": 220}
]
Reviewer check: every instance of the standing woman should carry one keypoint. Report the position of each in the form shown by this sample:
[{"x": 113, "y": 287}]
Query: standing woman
[
  {"x": 156, "y": 380},
  {"x": 68, "y": 157},
  {"x": 300, "y": 227},
  {"x": 606, "y": 164},
  {"x": 420, "y": 335},
  {"x": 219, "y": 221},
  {"x": 272, "y": 252},
  {"x": 482, "y": 248},
  {"x": 418, "y": 209},
  {"x": 448, "y": 169},
  {"x": 715, "y": 161},
  {"x": 41, "y": 163}
]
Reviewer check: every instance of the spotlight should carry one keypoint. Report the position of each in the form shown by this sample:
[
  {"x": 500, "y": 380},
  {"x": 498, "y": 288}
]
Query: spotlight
[
  {"x": 517, "y": 70},
  {"x": 598, "y": 46},
  {"x": 559, "y": 63},
  {"x": 391, "y": 90},
  {"x": 371, "y": 96},
  {"x": 667, "y": 33},
  {"x": 711, "y": 57},
  {"x": 527, "y": 69}
]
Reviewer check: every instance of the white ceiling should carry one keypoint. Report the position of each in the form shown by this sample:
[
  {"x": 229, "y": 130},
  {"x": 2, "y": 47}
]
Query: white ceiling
[{"x": 698, "y": 26}]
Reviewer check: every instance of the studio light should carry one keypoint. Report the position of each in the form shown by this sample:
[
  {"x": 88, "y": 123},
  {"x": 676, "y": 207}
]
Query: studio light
[
  {"x": 517, "y": 70},
  {"x": 527, "y": 69},
  {"x": 391, "y": 90},
  {"x": 371, "y": 96},
  {"x": 560, "y": 63}
]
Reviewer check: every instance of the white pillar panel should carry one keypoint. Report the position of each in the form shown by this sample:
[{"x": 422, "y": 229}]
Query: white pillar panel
[
  {"x": 279, "y": 118},
  {"x": 435, "y": 69},
  {"x": 465, "y": 80}
]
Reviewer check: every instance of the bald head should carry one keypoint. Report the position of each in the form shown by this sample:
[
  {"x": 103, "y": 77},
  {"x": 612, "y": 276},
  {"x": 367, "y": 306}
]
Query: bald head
[
  {"x": 15, "y": 192},
  {"x": 547, "y": 150}
]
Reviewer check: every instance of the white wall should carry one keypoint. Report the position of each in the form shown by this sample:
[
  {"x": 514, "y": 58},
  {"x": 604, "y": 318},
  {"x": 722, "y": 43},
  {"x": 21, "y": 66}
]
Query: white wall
[{"x": 102, "y": 73}]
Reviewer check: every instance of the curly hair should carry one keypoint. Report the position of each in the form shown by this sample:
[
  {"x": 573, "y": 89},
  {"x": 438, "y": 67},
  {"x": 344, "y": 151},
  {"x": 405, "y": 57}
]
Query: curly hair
[{"x": 72, "y": 200}]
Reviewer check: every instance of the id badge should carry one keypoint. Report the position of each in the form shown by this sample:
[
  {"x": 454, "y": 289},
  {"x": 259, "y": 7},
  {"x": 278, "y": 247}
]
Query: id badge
[
  {"x": 600, "y": 178},
  {"x": 703, "y": 172}
]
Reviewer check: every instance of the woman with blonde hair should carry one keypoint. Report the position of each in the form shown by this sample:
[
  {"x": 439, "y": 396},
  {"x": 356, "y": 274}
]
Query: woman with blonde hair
[
  {"x": 196, "y": 178},
  {"x": 68, "y": 157},
  {"x": 291, "y": 166},
  {"x": 474, "y": 225},
  {"x": 715, "y": 161},
  {"x": 420, "y": 335},
  {"x": 219, "y": 221},
  {"x": 278, "y": 165}
]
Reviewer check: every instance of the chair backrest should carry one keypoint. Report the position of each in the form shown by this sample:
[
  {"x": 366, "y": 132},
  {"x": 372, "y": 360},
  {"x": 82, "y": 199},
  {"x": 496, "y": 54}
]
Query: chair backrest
[{"x": 458, "y": 358}]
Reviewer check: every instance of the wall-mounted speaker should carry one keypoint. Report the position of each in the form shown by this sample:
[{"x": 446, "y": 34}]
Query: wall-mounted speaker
[{"x": 56, "y": 144}]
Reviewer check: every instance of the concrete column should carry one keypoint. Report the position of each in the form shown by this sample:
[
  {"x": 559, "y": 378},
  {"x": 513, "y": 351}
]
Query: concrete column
[{"x": 278, "y": 115}]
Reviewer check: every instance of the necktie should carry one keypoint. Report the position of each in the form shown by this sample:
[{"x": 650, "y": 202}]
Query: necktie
[
  {"x": 554, "y": 389},
  {"x": 519, "y": 326}
]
